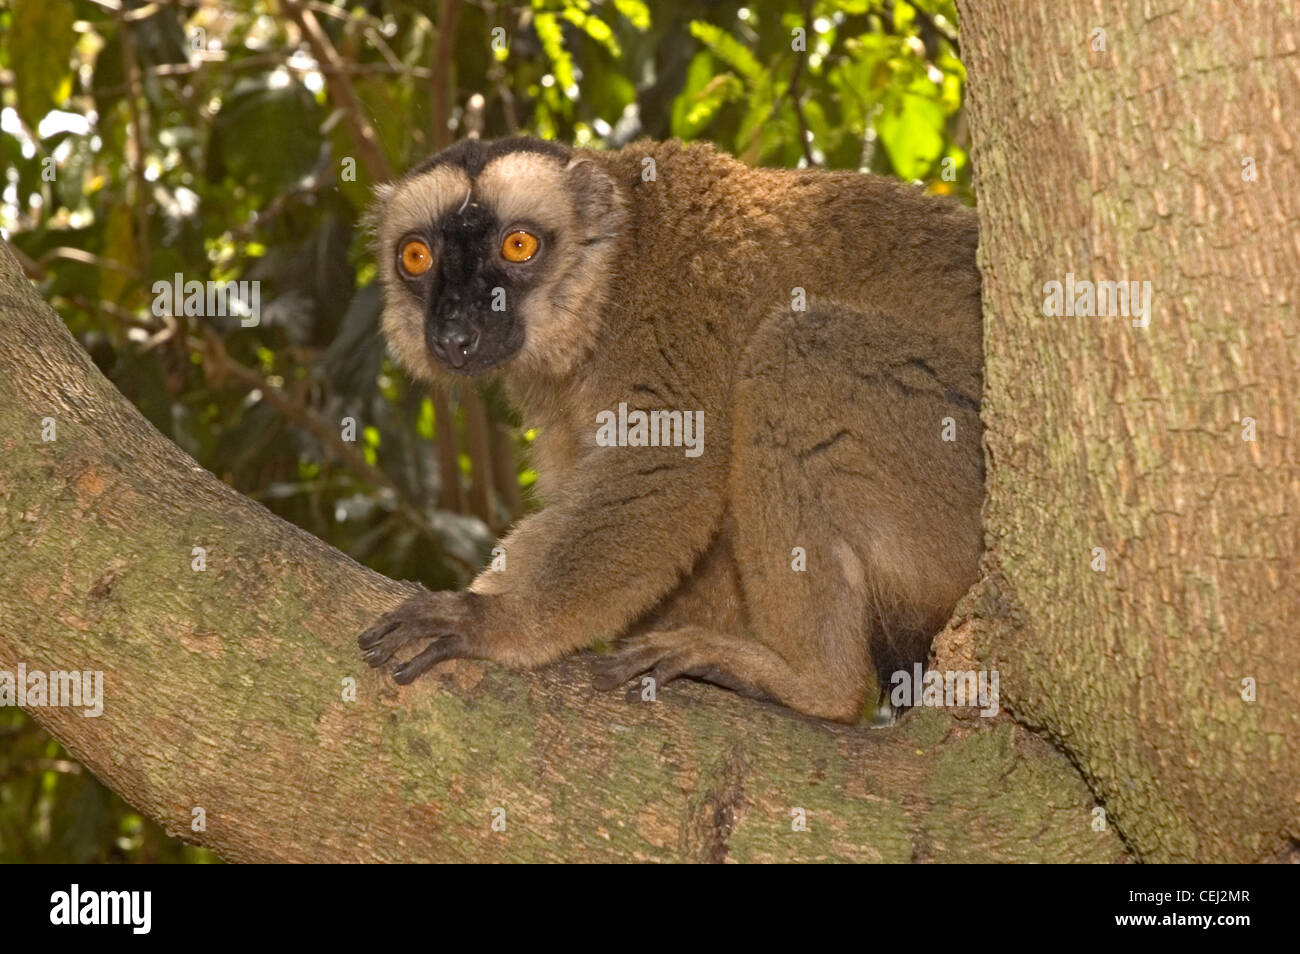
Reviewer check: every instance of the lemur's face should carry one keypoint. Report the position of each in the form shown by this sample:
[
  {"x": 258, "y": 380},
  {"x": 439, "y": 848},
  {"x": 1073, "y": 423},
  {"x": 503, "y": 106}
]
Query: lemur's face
[{"x": 493, "y": 253}]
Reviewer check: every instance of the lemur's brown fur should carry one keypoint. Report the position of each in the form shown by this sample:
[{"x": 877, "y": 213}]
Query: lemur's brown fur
[{"x": 823, "y": 428}]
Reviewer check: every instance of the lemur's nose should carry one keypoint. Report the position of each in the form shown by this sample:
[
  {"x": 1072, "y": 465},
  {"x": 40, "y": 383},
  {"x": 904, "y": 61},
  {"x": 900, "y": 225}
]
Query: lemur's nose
[{"x": 456, "y": 344}]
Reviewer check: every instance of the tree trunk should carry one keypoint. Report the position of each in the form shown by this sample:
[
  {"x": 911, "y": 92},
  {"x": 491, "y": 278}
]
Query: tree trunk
[
  {"x": 225, "y": 688},
  {"x": 1133, "y": 163}
]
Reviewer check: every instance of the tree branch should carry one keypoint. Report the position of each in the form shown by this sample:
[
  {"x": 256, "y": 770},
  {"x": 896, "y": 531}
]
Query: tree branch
[{"x": 225, "y": 690}]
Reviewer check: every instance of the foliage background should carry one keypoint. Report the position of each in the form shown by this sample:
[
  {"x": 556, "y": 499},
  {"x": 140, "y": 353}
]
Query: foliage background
[{"x": 240, "y": 139}]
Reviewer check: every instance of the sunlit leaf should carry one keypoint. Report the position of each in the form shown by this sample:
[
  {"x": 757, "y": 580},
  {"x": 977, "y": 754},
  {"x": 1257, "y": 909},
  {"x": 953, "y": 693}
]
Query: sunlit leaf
[
  {"x": 911, "y": 131},
  {"x": 727, "y": 48},
  {"x": 595, "y": 28},
  {"x": 40, "y": 44},
  {"x": 552, "y": 37},
  {"x": 636, "y": 12}
]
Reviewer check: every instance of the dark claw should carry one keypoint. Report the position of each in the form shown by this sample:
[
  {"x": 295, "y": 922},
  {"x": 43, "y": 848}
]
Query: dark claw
[
  {"x": 614, "y": 670},
  {"x": 605, "y": 678},
  {"x": 436, "y": 618},
  {"x": 371, "y": 637},
  {"x": 446, "y": 646},
  {"x": 388, "y": 636},
  {"x": 628, "y": 665}
]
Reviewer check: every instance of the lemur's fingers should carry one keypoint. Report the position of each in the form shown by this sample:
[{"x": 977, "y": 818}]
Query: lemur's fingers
[
  {"x": 441, "y": 617},
  {"x": 448, "y": 646}
]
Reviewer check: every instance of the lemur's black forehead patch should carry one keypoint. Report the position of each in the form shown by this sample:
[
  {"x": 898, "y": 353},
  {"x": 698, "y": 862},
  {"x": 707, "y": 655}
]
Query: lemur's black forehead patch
[
  {"x": 473, "y": 154},
  {"x": 466, "y": 232},
  {"x": 474, "y": 187}
]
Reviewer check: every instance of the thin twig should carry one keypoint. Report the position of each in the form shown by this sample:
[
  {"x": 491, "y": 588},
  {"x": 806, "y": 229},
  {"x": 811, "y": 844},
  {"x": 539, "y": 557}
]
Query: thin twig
[
  {"x": 341, "y": 90},
  {"x": 139, "y": 139},
  {"x": 441, "y": 81},
  {"x": 68, "y": 254},
  {"x": 794, "y": 90}
]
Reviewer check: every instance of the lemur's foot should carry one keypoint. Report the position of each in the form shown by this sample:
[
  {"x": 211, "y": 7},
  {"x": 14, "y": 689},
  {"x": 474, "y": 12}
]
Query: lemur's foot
[{"x": 666, "y": 655}]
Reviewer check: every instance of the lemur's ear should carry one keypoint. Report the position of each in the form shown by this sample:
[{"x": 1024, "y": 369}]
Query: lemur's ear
[{"x": 597, "y": 199}]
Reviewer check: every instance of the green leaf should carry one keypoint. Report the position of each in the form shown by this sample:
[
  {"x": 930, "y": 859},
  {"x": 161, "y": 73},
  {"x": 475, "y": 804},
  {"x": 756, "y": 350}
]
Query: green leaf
[
  {"x": 698, "y": 74},
  {"x": 911, "y": 130},
  {"x": 705, "y": 105},
  {"x": 636, "y": 13},
  {"x": 851, "y": 8},
  {"x": 266, "y": 137},
  {"x": 904, "y": 17},
  {"x": 595, "y": 28},
  {"x": 762, "y": 101},
  {"x": 40, "y": 47},
  {"x": 552, "y": 37},
  {"x": 728, "y": 49},
  {"x": 824, "y": 135}
]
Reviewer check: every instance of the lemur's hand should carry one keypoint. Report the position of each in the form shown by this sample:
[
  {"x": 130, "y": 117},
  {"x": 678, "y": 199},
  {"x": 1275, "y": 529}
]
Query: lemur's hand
[{"x": 449, "y": 621}]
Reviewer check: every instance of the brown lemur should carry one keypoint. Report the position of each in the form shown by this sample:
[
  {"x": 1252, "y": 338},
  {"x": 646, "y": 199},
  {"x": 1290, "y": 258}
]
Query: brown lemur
[{"x": 828, "y": 327}]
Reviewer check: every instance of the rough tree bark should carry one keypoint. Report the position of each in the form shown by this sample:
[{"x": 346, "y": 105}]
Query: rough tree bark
[
  {"x": 224, "y": 690},
  {"x": 1126, "y": 163}
]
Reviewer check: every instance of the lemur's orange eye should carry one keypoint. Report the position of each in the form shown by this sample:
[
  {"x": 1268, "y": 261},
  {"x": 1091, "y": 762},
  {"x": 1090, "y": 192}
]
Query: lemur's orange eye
[
  {"x": 519, "y": 246},
  {"x": 415, "y": 257}
]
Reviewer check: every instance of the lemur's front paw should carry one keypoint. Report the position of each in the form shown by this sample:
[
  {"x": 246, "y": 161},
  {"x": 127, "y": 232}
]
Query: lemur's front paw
[{"x": 447, "y": 619}]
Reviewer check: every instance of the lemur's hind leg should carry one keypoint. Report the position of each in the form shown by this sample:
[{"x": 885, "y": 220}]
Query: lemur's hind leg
[
  {"x": 856, "y": 523},
  {"x": 857, "y": 518}
]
